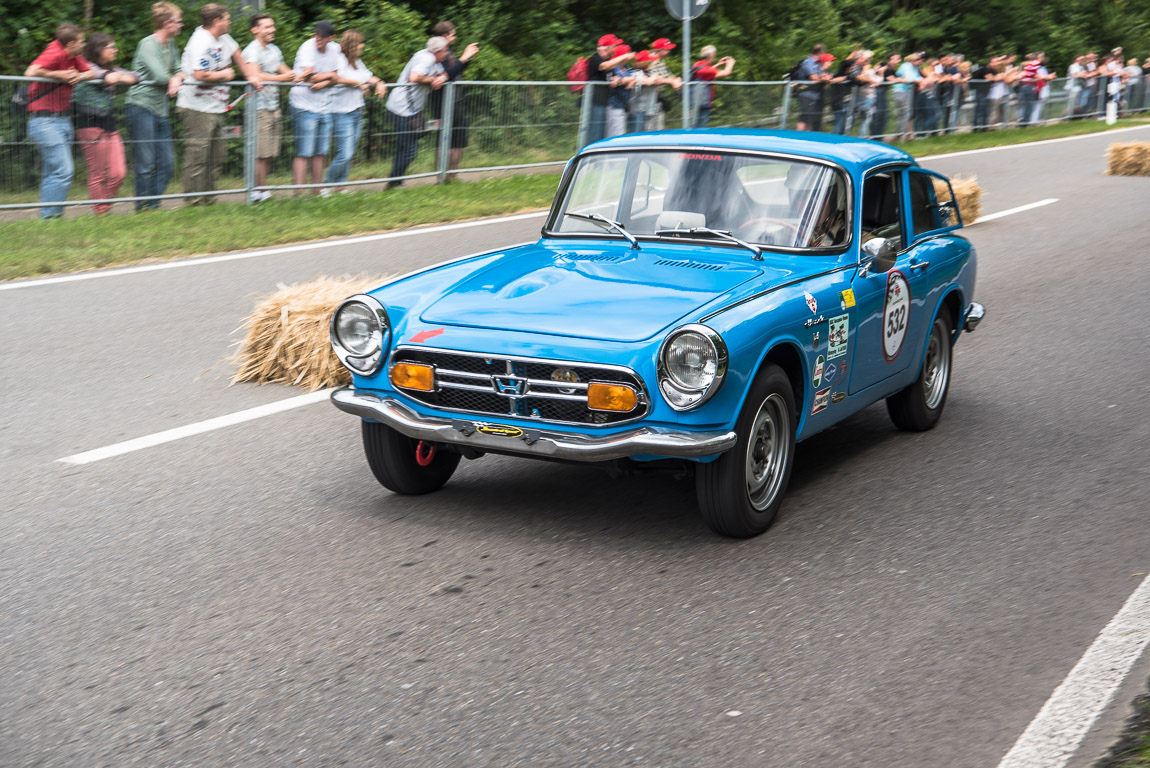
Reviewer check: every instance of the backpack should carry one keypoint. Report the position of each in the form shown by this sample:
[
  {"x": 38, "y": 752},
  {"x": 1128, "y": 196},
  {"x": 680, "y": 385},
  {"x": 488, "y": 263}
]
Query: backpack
[
  {"x": 577, "y": 74},
  {"x": 793, "y": 76}
]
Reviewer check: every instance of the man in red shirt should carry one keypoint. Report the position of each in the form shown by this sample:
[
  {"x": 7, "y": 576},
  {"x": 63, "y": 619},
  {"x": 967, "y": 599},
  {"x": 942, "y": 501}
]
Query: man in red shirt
[
  {"x": 704, "y": 71},
  {"x": 50, "y": 113}
]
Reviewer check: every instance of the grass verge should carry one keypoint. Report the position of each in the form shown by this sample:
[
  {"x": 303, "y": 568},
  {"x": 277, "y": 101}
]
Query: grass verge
[
  {"x": 1133, "y": 750},
  {"x": 34, "y": 247}
]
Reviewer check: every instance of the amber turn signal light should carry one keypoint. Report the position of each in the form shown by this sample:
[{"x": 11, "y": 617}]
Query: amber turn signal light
[
  {"x": 413, "y": 376},
  {"x": 611, "y": 397}
]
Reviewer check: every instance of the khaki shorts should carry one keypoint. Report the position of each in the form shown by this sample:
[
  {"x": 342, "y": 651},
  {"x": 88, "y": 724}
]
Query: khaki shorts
[{"x": 269, "y": 129}]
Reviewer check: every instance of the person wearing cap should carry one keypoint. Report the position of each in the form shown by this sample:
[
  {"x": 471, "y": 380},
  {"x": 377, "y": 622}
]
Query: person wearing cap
[
  {"x": 211, "y": 59},
  {"x": 644, "y": 97},
  {"x": 705, "y": 71},
  {"x": 316, "y": 67},
  {"x": 599, "y": 68},
  {"x": 619, "y": 97},
  {"x": 660, "y": 74},
  {"x": 812, "y": 75},
  {"x": 424, "y": 73}
]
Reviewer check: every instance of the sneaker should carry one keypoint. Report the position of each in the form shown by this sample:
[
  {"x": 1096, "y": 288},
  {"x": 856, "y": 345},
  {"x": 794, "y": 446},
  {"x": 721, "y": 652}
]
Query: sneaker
[{"x": 325, "y": 192}]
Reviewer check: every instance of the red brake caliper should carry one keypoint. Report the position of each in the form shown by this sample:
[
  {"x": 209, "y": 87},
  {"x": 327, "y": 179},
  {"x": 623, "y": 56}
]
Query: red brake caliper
[{"x": 424, "y": 453}]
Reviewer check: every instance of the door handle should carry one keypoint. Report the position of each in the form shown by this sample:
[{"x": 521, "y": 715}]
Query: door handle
[{"x": 919, "y": 265}]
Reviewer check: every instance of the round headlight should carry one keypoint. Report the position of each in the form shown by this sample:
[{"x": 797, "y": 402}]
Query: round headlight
[
  {"x": 691, "y": 360},
  {"x": 357, "y": 329}
]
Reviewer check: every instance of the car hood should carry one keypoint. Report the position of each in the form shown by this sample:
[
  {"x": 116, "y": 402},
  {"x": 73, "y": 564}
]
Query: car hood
[{"x": 607, "y": 293}]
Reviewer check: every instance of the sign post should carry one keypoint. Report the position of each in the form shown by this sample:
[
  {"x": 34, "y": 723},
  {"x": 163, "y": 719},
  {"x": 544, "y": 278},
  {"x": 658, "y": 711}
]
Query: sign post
[{"x": 685, "y": 10}]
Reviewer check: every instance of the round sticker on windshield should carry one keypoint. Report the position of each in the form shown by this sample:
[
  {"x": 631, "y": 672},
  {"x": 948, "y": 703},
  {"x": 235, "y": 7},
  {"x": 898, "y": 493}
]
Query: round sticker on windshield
[{"x": 895, "y": 315}]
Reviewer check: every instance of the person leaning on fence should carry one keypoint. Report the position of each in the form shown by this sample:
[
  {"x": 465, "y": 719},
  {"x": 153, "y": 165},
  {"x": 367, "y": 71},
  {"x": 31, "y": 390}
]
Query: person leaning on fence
[
  {"x": 619, "y": 99},
  {"x": 644, "y": 94},
  {"x": 210, "y": 60},
  {"x": 705, "y": 72},
  {"x": 50, "y": 113},
  {"x": 148, "y": 105},
  {"x": 454, "y": 65},
  {"x": 263, "y": 53},
  {"x": 841, "y": 89},
  {"x": 867, "y": 82},
  {"x": 903, "y": 94},
  {"x": 660, "y": 74},
  {"x": 809, "y": 79},
  {"x": 887, "y": 74},
  {"x": 316, "y": 67},
  {"x": 981, "y": 81},
  {"x": 96, "y": 120},
  {"x": 599, "y": 68},
  {"x": 353, "y": 80},
  {"x": 406, "y": 102}
]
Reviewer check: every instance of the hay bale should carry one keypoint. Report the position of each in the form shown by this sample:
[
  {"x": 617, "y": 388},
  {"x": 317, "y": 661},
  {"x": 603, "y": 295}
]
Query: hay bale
[
  {"x": 1128, "y": 159},
  {"x": 287, "y": 339},
  {"x": 968, "y": 193}
]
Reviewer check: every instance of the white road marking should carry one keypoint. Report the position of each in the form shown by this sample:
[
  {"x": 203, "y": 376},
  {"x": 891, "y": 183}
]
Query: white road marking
[
  {"x": 198, "y": 428},
  {"x": 196, "y": 262},
  {"x": 1032, "y": 143},
  {"x": 1019, "y": 209},
  {"x": 1058, "y": 729}
]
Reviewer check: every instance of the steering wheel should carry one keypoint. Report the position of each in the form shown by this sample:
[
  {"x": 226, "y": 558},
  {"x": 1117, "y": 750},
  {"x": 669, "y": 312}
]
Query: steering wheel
[{"x": 768, "y": 220}]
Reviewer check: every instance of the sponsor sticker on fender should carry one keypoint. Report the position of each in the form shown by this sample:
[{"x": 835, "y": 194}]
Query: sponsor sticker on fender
[
  {"x": 837, "y": 335},
  {"x": 822, "y": 398},
  {"x": 848, "y": 298},
  {"x": 838, "y": 397},
  {"x": 895, "y": 315},
  {"x": 817, "y": 378},
  {"x": 811, "y": 303}
]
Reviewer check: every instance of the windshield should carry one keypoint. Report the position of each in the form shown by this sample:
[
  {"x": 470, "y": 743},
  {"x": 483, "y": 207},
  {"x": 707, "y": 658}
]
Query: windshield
[{"x": 771, "y": 201}]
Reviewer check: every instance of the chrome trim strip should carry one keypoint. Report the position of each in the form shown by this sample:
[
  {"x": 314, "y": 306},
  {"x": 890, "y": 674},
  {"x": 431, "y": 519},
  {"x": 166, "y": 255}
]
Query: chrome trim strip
[
  {"x": 650, "y": 441},
  {"x": 973, "y": 316}
]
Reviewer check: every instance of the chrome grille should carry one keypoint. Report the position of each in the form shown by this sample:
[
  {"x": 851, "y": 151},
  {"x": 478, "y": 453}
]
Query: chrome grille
[{"x": 502, "y": 386}]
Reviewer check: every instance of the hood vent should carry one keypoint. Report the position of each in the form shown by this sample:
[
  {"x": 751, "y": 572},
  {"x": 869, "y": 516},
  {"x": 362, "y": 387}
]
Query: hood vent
[
  {"x": 688, "y": 265},
  {"x": 602, "y": 258}
]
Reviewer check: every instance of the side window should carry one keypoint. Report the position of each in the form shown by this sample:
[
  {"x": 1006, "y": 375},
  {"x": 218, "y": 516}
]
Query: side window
[
  {"x": 922, "y": 209},
  {"x": 881, "y": 209}
]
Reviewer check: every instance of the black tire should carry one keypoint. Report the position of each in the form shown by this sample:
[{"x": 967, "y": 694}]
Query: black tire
[
  {"x": 919, "y": 407},
  {"x": 741, "y": 492},
  {"x": 391, "y": 456}
]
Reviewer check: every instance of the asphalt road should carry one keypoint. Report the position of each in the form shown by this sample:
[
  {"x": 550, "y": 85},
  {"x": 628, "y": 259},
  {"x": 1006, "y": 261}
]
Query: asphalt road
[{"x": 252, "y": 597}]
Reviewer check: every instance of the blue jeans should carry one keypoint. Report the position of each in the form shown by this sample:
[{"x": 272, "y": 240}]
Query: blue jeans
[
  {"x": 152, "y": 153},
  {"x": 312, "y": 132},
  {"x": 597, "y": 125},
  {"x": 53, "y": 137},
  {"x": 347, "y": 128}
]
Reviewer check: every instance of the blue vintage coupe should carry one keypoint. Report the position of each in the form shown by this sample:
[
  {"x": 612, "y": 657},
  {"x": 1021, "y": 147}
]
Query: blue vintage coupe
[{"x": 709, "y": 297}]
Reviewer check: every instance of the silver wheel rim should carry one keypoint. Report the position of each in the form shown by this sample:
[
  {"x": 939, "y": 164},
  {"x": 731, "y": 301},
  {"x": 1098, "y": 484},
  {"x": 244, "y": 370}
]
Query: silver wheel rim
[
  {"x": 767, "y": 452},
  {"x": 936, "y": 368}
]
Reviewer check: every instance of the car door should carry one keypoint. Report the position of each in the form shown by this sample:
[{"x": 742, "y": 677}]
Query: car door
[{"x": 891, "y": 309}]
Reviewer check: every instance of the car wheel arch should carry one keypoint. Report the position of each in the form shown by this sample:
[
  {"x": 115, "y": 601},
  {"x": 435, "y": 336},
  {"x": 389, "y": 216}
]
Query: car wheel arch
[{"x": 789, "y": 357}]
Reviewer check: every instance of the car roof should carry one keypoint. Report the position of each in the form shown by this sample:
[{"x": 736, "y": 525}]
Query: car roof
[{"x": 845, "y": 150}]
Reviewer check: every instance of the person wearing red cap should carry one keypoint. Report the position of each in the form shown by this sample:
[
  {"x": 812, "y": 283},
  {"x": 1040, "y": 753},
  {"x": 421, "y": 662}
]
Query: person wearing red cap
[
  {"x": 619, "y": 100},
  {"x": 704, "y": 71},
  {"x": 599, "y": 68},
  {"x": 812, "y": 75},
  {"x": 660, "y": 74}
]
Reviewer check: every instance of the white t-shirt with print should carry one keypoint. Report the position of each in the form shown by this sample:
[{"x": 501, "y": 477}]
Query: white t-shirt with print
[
  {"x": 302, "y": 96},
  {"x": 209, "y": 53},
  {"x": 345, "y": 98},
  {"x": 407, "y": 100}
]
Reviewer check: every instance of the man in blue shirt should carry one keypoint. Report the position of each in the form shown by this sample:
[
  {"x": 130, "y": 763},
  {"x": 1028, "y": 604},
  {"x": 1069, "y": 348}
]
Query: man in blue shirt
[
  {"x": 811, "y": 76},
  {"x": 902, "y": 92}
]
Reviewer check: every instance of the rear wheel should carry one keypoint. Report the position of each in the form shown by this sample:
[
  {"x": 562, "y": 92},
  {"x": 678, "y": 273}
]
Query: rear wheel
[
  {"x": 405, "y": 465},
  {"x": 919, "y": 407},
  {"x": 741, "y": 492}
]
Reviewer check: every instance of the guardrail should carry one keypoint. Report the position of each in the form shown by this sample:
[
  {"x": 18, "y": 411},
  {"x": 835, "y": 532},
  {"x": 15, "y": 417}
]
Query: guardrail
[{"x": 509, "y": 125}]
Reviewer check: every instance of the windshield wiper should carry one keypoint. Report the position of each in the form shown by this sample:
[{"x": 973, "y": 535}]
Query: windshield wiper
[
  {"x": 719, "y": 233},
  {"x": 608, "y": 224}
]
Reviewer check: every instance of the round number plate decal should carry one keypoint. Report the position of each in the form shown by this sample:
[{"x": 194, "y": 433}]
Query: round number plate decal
[{"x": 895, "y": 315}]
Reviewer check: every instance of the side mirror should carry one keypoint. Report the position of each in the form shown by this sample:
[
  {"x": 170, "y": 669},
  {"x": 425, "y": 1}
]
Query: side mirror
[{"x": 879, "y": 255}]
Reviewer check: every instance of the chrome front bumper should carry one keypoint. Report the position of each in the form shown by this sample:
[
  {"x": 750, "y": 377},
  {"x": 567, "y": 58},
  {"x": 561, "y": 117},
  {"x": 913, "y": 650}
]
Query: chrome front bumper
[{"x": 645, "y": 441}]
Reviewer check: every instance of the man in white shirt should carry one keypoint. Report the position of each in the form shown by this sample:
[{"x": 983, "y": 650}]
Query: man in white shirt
[
  {"x": 408, "y": 98},
  {"x": 208, "y": 58},
  {"x": 316, "y": 67},
  {"x": 263, "y": 53}
]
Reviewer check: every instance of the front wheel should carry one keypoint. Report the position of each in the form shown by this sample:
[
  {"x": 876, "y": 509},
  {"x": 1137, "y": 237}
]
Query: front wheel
[
  {"x": 405, "y": 465},
  {"x": 741, "y": 492},
  {"x": 919, "y": 407}
]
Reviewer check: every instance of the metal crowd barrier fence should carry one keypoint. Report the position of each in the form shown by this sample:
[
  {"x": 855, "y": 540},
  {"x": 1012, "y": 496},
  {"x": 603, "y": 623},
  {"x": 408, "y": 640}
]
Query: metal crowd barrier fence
[{"x": 488, "y": 126}]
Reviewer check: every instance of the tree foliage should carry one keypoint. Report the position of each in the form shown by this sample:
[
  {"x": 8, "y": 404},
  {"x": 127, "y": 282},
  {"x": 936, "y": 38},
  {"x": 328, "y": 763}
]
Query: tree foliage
[{"x": 539, "y": 39}]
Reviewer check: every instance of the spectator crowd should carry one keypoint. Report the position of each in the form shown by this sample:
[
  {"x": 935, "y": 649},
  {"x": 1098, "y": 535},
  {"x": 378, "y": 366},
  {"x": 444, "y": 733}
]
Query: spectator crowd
[
  {"x": 326, "y": 99},
  {"x": 898, "y": 97}
]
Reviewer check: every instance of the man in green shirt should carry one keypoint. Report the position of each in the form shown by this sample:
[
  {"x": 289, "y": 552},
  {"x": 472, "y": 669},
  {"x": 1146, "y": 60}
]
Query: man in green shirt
[{"x": 157, "y": 63}]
